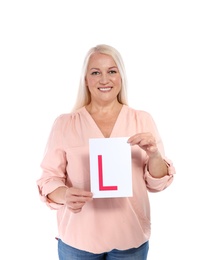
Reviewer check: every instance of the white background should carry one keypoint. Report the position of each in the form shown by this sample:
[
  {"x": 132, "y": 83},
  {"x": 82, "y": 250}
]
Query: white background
[{"x": 165, "y": 48}]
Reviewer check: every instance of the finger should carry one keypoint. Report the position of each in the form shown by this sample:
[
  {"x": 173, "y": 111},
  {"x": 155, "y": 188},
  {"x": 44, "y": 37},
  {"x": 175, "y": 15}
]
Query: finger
[
  {"x": 76, "y": 205},
  {"x": 147, "y": 142},
  {"x": 134, "y": 139},
  {"x": 79, "y": 193},
  {"x": 72, "y": 200},
  {"x": 74, "y": 210},
  {"x": 138, "y": 138},
  {"x": 74, "y": 195}
]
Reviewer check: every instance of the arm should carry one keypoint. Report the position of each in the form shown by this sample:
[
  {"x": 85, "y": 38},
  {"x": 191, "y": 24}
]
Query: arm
[
  {"x": 58, "y": 195},
  {"x": 53, "y": 187},
  {"x": 156, "y": 165},
  {"x": 73, "y": 198}
]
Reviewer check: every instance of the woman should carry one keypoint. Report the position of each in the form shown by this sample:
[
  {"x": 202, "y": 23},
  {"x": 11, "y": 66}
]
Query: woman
[{"x": 102, "y": 228}]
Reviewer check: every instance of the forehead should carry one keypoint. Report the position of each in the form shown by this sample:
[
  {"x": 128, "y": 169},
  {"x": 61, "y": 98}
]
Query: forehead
[{"x": 101, "y": 60}]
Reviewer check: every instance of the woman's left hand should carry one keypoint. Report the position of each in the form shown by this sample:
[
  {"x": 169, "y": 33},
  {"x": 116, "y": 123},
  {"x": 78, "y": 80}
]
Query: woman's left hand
[{"x": 146, "y": 141}]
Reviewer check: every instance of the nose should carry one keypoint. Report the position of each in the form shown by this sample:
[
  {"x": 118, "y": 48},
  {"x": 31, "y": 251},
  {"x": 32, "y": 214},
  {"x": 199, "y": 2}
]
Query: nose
[{"x": 104, "y": 79}]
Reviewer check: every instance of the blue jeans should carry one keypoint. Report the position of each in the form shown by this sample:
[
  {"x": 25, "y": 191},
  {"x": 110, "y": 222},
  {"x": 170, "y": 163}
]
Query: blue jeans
[{"x": 67, "y": 252}]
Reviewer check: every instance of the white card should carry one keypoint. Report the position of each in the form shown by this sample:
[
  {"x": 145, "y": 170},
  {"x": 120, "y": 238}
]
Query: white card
[{"x": 110, "y": 167}]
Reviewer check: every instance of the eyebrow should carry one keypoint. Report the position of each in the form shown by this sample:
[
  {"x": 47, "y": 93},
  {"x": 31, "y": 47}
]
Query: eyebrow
[{"x": 114, "y": 67}]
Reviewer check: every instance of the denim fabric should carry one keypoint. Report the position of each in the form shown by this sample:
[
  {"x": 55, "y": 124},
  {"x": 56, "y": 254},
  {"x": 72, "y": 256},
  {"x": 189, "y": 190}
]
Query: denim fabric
[{"x": 67, "y": 252}]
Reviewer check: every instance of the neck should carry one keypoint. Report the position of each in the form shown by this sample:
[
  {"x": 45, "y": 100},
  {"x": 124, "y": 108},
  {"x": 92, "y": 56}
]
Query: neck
[{"x": 94, "y": 108}]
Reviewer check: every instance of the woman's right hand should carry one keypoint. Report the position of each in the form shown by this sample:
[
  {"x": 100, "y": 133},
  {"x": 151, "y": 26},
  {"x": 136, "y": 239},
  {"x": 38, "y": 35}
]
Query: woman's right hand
[{"x": 76, "y": 198}]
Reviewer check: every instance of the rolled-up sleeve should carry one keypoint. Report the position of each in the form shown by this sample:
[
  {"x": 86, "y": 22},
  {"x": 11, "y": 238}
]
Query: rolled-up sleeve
[
  {"x": 53, "y": 165},
  {"x": 159, "y": 184}
]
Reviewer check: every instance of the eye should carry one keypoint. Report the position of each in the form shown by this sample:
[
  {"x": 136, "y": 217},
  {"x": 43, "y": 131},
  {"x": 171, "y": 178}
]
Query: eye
[
  {"x": 95, "y": 73},
  {"x": 112, "y": 71}
]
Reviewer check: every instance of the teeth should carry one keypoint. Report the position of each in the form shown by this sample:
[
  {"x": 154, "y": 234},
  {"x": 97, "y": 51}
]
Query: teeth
[{"x": 104, "y": 89}]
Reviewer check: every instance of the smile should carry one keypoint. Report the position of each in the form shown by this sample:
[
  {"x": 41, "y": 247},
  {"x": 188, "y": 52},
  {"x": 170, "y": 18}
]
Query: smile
[{"x": 105, "y": 89}]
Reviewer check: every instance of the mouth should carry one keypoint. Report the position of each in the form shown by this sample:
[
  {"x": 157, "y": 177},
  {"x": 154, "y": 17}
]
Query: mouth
[{"x": 105, "y": 89}]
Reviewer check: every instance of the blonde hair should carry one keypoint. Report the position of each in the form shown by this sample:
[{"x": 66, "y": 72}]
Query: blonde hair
[{"x": 83, "y": 95}]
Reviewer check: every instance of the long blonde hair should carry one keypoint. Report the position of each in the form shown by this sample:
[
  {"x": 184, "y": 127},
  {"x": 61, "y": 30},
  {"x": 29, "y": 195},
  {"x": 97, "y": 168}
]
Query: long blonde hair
[{"x": 83, "y": 95}]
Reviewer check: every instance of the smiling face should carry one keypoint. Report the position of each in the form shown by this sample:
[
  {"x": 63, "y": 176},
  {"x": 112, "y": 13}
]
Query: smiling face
[{"x": 103, "y": 78}]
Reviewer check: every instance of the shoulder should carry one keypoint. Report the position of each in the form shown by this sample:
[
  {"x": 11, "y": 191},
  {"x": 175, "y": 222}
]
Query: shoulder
[
  {"x": 62, "y": 118},
  {"x": 143, "y": 119},
  {"x": 67, "y": 118},
  {"x": 137, "y": 112}
]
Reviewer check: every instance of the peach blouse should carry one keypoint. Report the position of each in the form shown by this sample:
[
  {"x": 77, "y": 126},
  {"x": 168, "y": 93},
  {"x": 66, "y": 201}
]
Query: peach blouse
[{"x": 109, "y": 223}]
